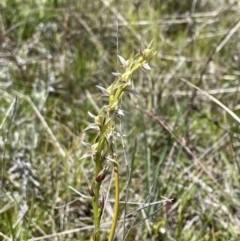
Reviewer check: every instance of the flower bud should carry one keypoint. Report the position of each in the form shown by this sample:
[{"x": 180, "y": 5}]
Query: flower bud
[
  {"x": 102, "y": 202},
  {"x": 91, "y": 191},
  {"x": 102, "y": 174}
]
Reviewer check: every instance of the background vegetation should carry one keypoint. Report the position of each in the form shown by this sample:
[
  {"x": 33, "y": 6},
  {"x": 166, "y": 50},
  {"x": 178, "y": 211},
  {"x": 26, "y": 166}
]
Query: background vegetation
[{"x": 178, "y": 144}]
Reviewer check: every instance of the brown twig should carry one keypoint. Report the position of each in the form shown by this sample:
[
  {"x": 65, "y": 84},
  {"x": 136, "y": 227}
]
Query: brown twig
[{"x": 180, "y": 140}]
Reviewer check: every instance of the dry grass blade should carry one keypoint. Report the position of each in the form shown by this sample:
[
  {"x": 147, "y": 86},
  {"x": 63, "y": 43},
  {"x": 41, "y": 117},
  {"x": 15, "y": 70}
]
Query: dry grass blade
[
  {"x": 181, "y": 141},
  {"x": 44, "y": 123},
  {"x": 231, "y": 113},
  {"x": 5, "y": 237}
]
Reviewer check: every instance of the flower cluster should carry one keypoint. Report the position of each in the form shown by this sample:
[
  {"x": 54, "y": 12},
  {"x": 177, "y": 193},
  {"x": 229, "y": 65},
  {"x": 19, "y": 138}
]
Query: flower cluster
[{"x": 103, "y": 150}]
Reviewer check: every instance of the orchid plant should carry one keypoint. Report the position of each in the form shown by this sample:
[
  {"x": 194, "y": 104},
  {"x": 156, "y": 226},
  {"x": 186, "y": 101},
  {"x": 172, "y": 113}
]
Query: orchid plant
[{"x": 103, "y": 151}]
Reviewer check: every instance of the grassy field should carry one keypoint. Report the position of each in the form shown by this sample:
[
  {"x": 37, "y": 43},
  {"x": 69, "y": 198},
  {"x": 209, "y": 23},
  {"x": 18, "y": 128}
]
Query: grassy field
[{"x": 179, "y": 143}]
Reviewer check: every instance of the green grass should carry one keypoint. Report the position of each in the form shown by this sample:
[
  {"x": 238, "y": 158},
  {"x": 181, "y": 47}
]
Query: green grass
[{"x": 52, "y": 56}]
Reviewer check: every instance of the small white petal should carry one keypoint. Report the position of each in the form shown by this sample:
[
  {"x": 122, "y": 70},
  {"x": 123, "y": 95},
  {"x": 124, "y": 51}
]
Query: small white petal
[
  {"x": 120, "y": 112},
  {"x": 117, "y": 74},
  {"x": 85, "y": 143},
  {"x": 146, "y": 66},
  {"x": 92, "y": 126},
  {"x": 86, "y": 155},
  {"x": 123, "y": 61},
  {"x": 91, "y": 115},
  {"x": 105, "y": 91},
  {"x": 120, "y": 135}
]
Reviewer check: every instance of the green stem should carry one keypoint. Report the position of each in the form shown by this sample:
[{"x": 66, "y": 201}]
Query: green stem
[
  {"x": 116, "y": 206},
  {"x": 96, "y": 206}
]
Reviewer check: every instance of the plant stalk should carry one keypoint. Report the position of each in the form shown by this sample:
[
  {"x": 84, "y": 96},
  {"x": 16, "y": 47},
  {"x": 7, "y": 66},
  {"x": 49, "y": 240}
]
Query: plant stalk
[{"x": 116, "y": 206}]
